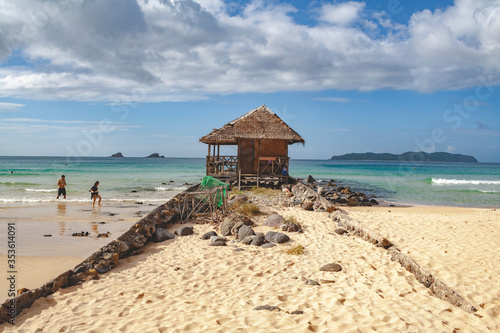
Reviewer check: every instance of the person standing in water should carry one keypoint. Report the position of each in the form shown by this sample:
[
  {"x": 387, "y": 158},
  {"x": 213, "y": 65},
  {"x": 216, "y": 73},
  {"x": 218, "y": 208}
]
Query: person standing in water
[
  {"x": 94, "y": 194},
  {"x": 61, "y": 184}
]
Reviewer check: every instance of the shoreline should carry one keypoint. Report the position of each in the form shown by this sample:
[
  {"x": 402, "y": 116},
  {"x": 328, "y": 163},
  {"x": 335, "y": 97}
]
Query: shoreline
[
  {"x": 44, "y": 232},
  {"x": 407, "y": 186}
]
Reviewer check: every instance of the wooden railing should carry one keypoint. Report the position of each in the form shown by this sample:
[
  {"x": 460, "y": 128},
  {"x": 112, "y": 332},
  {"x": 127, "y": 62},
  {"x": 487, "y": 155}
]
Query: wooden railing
[
  {"x": 273, "y": 166},
  {"x": 267, "y": 167},
  {"x": 219, "y": 165}
]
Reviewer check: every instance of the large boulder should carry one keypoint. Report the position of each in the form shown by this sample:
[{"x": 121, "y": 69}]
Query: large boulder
[
  {"x": 308, "y": 205},
  {"x": 214, "y": 239},
  {"x": 229, "y": 222},
  {"x": 341, "y": 200},
  {"x": 245, "y": 231},
  {"x": 341, "y": 231},
  {"x": 247, "y": 240},
  {"x": 138, "y": 241},
  {"x": 208, "y": 235},
  {"x": 346, "y": 190},
  {"x": 184, "y": 231},
  {"x": 353, "y": 202},
  {"x": 103, "y": 269},
  {"x": 365, "y": 202},
  {"x": 161, "y": 235},
  {"x": 274, "y": 221},
  {"x": 237, "y": 199},
  {"x": 276, "y": 237},
  {"x": 122, "y": 246},
  {"x": 310, "y": 179},
  {"x": 258, "y": 240},
  {"x": 237, "y": 226},
  {"x": 218, "y": 243}
]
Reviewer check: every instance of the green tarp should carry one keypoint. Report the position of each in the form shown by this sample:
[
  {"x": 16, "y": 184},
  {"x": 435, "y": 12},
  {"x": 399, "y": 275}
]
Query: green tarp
[{"x": 208, "y": 183}]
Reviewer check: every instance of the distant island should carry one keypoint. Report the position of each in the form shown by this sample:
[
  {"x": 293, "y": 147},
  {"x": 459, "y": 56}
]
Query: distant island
[
  {"x": 408, "y": 156},
  {"x": 155, "y": 155}
]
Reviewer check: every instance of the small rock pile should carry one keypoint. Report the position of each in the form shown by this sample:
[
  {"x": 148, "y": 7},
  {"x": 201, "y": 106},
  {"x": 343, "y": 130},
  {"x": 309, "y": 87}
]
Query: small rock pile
[
  {"x": 342, "y": 195},
  {"x": 80, "y": 234},
  {"x": 291, "y": 227},
  {"x": 240, "y": 226}
]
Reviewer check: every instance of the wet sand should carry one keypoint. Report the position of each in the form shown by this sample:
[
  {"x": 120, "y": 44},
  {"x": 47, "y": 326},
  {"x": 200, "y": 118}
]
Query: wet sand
[{"x": 45, "y": 246}]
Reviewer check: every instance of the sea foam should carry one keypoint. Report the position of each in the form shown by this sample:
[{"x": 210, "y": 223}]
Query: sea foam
[
  {"x": 442, "y": 181},
  {"x": 39, "y": 190},
  {"x": 170, "y": 188}
]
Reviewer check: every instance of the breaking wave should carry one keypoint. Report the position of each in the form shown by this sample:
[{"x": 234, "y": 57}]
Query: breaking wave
[
  {"x": 170, "y": 188},
  {"x": 442, "y": 181},
  {"x": 39, "y": 190}
]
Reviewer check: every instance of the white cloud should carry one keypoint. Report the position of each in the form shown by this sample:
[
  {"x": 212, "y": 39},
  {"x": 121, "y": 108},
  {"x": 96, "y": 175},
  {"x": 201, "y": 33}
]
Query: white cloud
[
  {"x": 5, "y": 107},
  {"x": 125, "y": 51},
  {"x": 343, "y": 14},
  {"x": 69, "y": 127},
  {"x": 34, "y": 120}
]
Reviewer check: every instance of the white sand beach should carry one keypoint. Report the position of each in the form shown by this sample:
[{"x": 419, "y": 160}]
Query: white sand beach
[{"x": 185, "y": 285}]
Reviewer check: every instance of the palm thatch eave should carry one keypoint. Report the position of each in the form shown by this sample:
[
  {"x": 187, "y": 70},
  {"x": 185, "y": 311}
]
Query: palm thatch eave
[{"x": 259, "y": 123}]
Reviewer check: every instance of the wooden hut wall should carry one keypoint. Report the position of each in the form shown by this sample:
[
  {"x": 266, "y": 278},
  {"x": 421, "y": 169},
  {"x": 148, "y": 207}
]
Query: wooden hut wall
[{"x": 273, "y": 148}]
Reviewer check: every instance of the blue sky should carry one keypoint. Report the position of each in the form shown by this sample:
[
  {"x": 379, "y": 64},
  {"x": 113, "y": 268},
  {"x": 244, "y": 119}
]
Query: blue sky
[{"x": 92, "y": 78}]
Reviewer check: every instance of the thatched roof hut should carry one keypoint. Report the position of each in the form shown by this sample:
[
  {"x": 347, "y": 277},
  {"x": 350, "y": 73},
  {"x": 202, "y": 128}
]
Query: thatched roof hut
[
  {"x": 260, "y": 123},
  {"x": 262, "y": 139}
]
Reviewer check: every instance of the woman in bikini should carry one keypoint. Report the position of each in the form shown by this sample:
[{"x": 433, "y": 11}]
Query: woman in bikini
[{"x": 94, "y": 194}]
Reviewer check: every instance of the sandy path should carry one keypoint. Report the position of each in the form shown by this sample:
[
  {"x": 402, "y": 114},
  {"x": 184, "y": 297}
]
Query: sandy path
[
  {"x": 460, "y": 246},
  {"x": 185, "y": 285}
]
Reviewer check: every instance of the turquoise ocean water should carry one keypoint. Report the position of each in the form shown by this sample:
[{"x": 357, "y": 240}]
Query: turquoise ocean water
[{"x": 33, "y": 179}]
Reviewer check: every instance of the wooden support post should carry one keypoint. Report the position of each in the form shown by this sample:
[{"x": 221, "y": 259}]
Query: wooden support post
[
  {"x": 258, "y": 175},
  {"x": 192, "y": 203},
  {"x": 209, "y": 162}
]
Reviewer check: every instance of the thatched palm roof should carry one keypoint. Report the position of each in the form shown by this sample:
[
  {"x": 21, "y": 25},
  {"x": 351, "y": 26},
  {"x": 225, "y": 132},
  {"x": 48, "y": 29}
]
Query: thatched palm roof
[{"x": 260, "y": 123}]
